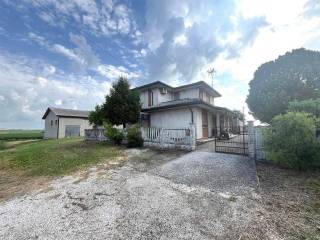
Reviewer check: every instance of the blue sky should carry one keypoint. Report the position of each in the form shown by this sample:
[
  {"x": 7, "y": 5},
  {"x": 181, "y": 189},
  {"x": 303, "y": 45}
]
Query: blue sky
[{"x": 67, "y": 53}]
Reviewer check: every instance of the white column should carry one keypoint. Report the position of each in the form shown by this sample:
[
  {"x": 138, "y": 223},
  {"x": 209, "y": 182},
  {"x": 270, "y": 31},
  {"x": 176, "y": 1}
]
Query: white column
[{"x": 218, "y": 123}]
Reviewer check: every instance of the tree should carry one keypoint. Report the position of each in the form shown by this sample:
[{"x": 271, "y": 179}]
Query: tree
[
  {"x": 96, "y": 117},
  {"x": 291, "y": 141},
  {"x": 311, "y": 106},
  {"x": 294, "y": 76},
  {"x": 122, "y": 105},
  {"x": 238, "y": 114}
]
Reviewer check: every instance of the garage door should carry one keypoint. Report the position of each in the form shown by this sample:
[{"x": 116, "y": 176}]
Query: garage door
[{"x": 72, "y": 131}]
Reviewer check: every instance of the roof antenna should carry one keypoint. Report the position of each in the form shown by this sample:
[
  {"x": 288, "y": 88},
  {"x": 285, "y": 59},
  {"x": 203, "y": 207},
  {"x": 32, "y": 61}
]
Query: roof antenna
[{"x": 211, "y": 72}]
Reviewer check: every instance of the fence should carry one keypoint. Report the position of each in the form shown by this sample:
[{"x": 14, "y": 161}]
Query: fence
[
  {"x": 162, "y": 138},
  {"x": 95, "y": 135},
  {"x": 255, "y": 143}
]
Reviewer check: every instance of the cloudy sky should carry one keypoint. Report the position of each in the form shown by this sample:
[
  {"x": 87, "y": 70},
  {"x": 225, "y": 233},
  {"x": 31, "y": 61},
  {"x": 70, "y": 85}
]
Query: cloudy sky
[{"x": 67, "y": 53}]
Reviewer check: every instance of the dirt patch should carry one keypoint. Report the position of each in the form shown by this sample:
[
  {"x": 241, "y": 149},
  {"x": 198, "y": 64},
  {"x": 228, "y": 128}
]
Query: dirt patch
[
  {"x": 289, "y": 205},
  {"x": 14, "y": 184}
]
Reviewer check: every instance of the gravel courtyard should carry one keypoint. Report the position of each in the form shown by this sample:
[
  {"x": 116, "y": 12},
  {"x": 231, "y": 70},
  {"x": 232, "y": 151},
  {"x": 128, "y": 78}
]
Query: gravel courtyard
[{"x": 198, "y": 195}]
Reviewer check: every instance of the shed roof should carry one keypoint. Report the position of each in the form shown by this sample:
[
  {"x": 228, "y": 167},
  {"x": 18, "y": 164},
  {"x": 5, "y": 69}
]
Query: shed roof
[{"x": 62, "y": 112}]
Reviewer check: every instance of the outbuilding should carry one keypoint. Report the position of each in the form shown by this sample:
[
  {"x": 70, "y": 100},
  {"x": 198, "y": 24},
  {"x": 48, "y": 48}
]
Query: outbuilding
[{"x": 61, "y": 123}]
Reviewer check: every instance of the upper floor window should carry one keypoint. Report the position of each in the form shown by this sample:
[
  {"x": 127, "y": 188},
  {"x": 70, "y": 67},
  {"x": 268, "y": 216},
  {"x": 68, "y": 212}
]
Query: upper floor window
[
  {"x": 150, "y": 98},
  {"x": 176, "y": 96},
  {"x": 51, "y": 122},
  {"x": 56, "y": 122}
]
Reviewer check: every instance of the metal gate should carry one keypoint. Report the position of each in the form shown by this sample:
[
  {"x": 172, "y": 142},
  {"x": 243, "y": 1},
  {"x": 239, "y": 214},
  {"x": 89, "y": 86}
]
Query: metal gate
[{"x": 235, "y": 144}]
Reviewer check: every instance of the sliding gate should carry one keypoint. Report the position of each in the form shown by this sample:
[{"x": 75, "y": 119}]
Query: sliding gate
[{"x": 236, "y": 144}]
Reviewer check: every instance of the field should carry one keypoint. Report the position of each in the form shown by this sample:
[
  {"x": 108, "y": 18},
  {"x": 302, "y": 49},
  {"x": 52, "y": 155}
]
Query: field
[
  {"x": 54, "y": 157},
  {"x": 30, "y": 164},
  {"x": 20, "y": 134}
]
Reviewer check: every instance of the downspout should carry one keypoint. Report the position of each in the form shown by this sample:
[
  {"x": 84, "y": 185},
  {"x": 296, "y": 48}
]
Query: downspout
[
  {"x": 58, "y": 129},
  {"x": 191, "y": 114}
]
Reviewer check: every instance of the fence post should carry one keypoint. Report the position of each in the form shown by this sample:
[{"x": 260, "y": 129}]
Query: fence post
[
  {"x": 192, "y": 136},
  {"x": 161, "y": 138},
  {"x": 251, "y": 142}
]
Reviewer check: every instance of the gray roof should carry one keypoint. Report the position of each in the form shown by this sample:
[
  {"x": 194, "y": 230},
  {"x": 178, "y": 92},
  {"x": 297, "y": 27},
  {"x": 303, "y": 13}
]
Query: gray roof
[
  {"x": 200, "y": 84},
  {"x": 62, "y": 112}
]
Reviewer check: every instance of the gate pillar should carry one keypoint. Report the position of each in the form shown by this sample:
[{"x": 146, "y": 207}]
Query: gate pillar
[{"x": 251, "y": 139}]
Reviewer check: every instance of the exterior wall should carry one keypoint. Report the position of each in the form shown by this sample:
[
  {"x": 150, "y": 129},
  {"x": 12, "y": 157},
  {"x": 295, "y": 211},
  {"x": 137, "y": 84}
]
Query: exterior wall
[
  {"x": 64, "y": 121},
  {"x": 50, "y": 131},
  {"x": 189, "y": 93},
  {"x": 164, "y": 97},
  {"x": 144, "y": 99},
  {"x": 197, "y": 118},
  {"x": 176, "y": 118},
  {"x": 157, "y": 97}
]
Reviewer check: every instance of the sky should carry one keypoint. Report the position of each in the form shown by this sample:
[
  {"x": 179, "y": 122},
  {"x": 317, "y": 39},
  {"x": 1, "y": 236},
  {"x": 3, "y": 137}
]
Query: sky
[{"x": 67, "y": 53}]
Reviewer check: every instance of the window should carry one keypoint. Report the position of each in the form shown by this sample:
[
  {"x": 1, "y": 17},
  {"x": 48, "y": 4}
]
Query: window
[
  {"x": 150, "y": 98},
  {"x": 51, "y": 122},
  {"x": 56, "y": 122}
]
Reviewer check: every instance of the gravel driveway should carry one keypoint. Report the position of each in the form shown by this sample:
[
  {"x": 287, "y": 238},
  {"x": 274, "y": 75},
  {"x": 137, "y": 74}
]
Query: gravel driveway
[{"x": 200, "y": 195}]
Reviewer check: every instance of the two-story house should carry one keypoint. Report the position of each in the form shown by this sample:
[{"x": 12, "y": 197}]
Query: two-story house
[{"x": 169, "y": 107}]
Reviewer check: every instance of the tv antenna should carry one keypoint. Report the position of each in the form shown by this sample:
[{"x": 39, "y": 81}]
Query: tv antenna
[{"x": 211, "y": 72}]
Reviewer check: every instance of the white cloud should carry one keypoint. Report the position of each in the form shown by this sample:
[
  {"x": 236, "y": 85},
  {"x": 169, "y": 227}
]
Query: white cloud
[
  {"x": 82, "y": 54},
  {"x": 26, "y": 93},
  {"x": 288, "y": 29},
  {"x": 111, "y": 72},
  {"x": 101, "y": 18}
]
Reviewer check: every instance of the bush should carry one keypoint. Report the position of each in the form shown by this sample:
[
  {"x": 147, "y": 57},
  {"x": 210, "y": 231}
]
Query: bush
[
  {"x": 291, "y": 141},
  {"x": 134, "y": 137},
  {"x": 114, "y": 134}
]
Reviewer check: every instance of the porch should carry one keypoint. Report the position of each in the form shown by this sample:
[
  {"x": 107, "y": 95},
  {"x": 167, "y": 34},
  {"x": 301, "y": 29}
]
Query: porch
[{"x": 215, "y": 122}]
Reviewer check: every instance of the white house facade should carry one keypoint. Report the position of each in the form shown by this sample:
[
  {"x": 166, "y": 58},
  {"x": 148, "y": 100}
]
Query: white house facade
[
  {"x": 169, "y": 107},
  {"x": 61, "y": 123}
]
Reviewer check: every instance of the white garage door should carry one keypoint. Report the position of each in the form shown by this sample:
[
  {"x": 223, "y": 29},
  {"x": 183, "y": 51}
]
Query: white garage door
[{"x": 72, "y": 131}]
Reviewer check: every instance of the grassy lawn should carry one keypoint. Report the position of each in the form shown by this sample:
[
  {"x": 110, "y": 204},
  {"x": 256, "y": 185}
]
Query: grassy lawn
[
  {"x": 20, "y": 134},
  {"x": 54, "y": 157}
]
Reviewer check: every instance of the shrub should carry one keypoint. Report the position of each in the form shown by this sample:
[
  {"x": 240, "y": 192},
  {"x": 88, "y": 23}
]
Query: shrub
[
  {"x": 114, "y": 134},
  {"x": 134, "y": 137},
  {"x": 291, "y": 141}
]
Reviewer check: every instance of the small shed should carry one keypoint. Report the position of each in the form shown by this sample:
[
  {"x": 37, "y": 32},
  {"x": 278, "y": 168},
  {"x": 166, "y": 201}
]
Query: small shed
[{"x": 61, "y": 123}]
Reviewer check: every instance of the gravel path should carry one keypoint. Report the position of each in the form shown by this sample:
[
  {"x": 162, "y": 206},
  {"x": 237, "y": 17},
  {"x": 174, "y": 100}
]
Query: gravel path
[{"x": 200, "y": 195}]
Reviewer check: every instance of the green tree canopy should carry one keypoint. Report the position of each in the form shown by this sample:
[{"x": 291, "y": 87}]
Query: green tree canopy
[
  {"x": 311, "y": 106},
  {"x": 96, "y": 117},
  {"x": 238, "y": 114},
  {"x": 294, "y": 76},
  {"x": 122, "y": 105}
]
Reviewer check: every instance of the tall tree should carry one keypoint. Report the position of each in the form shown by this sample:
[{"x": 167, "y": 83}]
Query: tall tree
[
  {"x": 96, "y": 117},
  {"x": 294, "y": 76},
  {"x": 122, "y": 105}
]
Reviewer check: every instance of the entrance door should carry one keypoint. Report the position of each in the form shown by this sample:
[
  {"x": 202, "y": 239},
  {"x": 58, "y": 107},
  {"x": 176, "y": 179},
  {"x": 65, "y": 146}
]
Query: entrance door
[
  {"x": 72, "y": 131},
  {"x": 205, "y": 131}
]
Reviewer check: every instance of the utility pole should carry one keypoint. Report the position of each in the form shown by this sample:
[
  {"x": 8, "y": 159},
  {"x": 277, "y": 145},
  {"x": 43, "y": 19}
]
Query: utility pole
[{"x": 211, "y": 72}]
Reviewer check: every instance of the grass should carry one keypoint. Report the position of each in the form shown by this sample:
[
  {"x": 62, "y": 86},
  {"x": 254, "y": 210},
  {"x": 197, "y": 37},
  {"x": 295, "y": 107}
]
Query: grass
[
  {"x": 20, "y": 134},
  {"x": 55, "y": 157}
]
